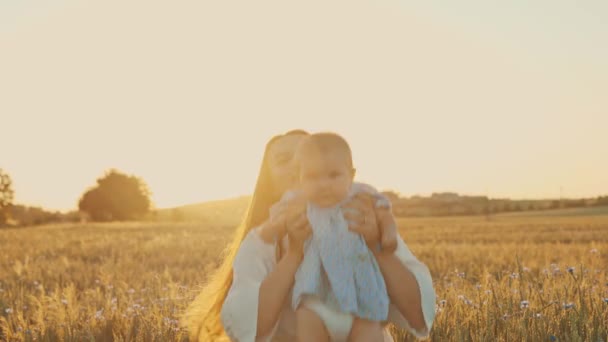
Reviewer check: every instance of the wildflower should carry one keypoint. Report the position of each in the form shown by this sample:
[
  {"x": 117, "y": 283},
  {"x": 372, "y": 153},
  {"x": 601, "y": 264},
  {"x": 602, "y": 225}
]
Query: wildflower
[
  {"x": 461, "y": 275},
  {"x": 443, "y": 302},
  {"x": 131, "y": 291},
  {"x": 488, "y": 291},
  {"x": 525, "y": 269},
  {"x": 514, "y": 275},
  {"x": 64, "y": 301},
  {"x": 36, "y": 283},
  {"x": 99, "y": 314},
  {"x": 8, "y": 310},
  {"x": 96, "y": 281},
  {"x": 478, "y": 286},
  {"x": 114, "y": 300},
  {"x": 524, "y": 304},
  {"x": 170, "y": 321},
  {"x": 505, "y": 316},
  {"x": 465, "y": 300},
  {"x": 571, "y": 269},
  {"x": 568, "y": 306},
  {"x": 538, "y": 315},
  {"x": 593, "y": 251},
  {"x": 606, "y": 300}
]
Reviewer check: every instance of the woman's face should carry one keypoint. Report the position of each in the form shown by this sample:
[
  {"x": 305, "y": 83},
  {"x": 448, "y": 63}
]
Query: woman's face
[{"x": 281, "y": 162}]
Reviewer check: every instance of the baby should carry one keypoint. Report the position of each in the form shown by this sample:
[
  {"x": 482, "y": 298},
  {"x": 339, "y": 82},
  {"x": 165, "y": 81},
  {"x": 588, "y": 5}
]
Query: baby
[{"x": 339, "y": 279}]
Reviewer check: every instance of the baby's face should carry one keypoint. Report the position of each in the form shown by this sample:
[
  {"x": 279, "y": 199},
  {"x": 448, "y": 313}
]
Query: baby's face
[{"x": 326, "y": 178}]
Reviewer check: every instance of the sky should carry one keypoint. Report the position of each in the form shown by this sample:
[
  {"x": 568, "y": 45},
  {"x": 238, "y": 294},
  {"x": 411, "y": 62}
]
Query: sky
[{"x": 505, "y": 99}]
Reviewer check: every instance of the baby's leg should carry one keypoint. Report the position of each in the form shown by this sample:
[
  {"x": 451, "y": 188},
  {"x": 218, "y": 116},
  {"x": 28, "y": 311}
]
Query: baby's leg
[
  {"x": 366, "y": 330},
  {"x": 309, "y": 326}
]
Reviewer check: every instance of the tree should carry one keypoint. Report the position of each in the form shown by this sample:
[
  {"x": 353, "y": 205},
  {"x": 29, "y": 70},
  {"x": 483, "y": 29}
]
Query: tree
[
  {"x": 6, "y": 195},
  {"x": 116, "y": 196}
]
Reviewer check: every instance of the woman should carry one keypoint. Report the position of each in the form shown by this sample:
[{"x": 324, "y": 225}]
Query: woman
[{"x": 247, "y": 297}]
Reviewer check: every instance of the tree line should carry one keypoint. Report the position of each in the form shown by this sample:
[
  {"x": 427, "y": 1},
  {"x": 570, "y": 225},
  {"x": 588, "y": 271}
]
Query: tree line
[
  {"x": 449, "y": 204},
  {"x": 116, "y": 196}
]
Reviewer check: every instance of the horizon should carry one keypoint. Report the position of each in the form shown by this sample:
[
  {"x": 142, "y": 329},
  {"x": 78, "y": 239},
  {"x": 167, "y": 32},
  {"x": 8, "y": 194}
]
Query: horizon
[
  {"x": 409, "y": 196},
  {"x": 504, "y": 102}
]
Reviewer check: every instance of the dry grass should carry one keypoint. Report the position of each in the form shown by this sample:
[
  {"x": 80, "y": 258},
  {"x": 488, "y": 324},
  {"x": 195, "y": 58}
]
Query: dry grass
[{"x": 507, "y": 279}]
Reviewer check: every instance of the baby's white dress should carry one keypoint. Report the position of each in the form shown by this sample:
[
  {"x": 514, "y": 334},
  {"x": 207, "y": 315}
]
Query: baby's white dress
[
  {"x": 256, "y": 259},
  {"x": 339, "y": 278}
]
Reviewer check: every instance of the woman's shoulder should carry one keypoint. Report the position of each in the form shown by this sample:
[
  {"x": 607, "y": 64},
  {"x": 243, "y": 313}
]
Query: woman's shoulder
[
  {"x": 253, "y": 245},
  {"x": 254, "y": 238},
  {"x": 254, "y": 258}
]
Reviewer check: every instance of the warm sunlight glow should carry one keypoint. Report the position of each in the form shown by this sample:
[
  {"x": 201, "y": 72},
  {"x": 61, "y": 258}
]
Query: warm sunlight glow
[{"x": 444, "y": 97}]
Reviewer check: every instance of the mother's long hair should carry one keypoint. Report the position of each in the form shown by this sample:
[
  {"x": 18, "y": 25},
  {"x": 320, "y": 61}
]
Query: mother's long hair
[{"x": 202, "y": 318}]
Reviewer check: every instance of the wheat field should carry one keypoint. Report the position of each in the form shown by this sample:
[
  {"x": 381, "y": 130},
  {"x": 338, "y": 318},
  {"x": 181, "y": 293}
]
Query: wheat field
[{"x": 503, "y": 278}]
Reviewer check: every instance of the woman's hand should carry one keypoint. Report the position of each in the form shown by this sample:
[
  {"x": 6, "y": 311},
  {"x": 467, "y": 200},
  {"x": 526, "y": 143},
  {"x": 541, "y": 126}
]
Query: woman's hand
[
  {"x": 376, "y": 224},
  {"x": 297, "y": 226},
  {"x": 361, "y": 216},
  {"x": 289, "y": 218}
]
